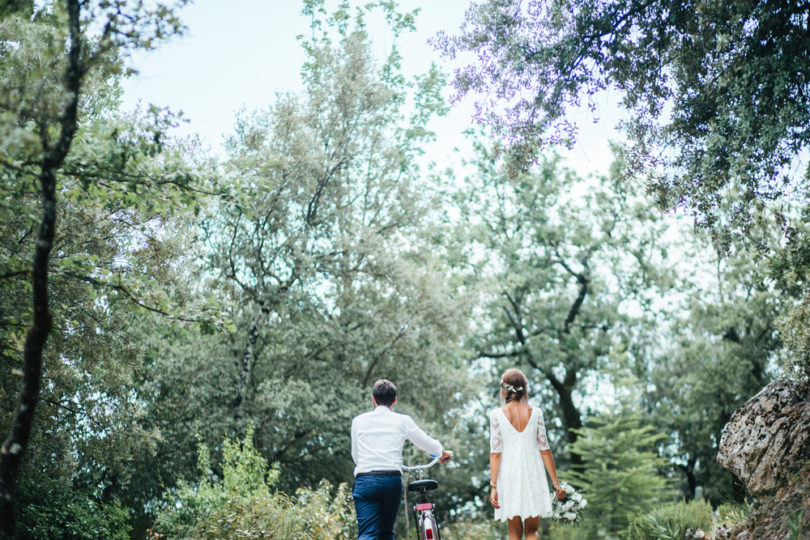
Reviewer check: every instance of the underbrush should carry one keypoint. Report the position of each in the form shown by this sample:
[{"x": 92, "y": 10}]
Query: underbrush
[{"x": 243, "y": 504}]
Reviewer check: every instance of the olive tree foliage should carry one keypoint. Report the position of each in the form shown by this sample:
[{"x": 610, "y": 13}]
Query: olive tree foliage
[
  {"x": 716, "y": 94},
  {"x": 717, "y": 91},
  {"x": 570, "y": 276},
  {"x": 65, "y": 153},
  {"x": 322, "y": 248}
]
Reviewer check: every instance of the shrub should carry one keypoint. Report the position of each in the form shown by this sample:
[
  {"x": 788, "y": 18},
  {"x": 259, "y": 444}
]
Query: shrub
[
  {"x": 242, "y": 504},
  {"x": 326, "y": 514},
  {"x": 730, "y": 514},
  {"x": 671, "y": 521},
  {"x": 483, "y": 529},
  {"x": 478, "y": 529},
  {"x": 50, "y": 511}
]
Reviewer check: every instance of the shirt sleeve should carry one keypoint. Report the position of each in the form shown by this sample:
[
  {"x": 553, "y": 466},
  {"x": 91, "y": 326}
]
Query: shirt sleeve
[
  {"x": 495, "y": 437},
  {"x": 542, "y": 440},
  {"x": 418, "y": 437},
  {"x": 354, "y": 441}
]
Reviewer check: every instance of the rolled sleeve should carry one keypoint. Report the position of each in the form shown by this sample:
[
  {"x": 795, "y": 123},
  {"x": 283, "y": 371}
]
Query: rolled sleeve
[{"x": 421, "y": 440}]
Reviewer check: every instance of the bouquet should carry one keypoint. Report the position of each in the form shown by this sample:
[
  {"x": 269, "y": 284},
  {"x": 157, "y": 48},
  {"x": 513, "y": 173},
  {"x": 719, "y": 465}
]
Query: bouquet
[{"x": 568, "y": 510}]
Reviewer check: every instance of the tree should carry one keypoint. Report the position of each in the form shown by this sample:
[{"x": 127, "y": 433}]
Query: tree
[
  {"x": 694, "y": 76},
  {"x": 567, "y": 275},
  {"x": 622, "y": 477},
  {"x": 56, "y": 63},
  {"x": 712, "y": 360},
  {"x": 323, "y": 253},
  {"x": 717, "y": 95}
]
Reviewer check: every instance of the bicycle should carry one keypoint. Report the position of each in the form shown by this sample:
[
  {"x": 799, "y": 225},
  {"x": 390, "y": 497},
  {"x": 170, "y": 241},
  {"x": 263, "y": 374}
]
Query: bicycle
[{"x": 427, "y": 527}]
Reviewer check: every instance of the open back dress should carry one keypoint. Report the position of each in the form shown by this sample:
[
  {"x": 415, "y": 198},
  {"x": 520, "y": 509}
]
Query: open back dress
[{"x": 522, "y": 486}]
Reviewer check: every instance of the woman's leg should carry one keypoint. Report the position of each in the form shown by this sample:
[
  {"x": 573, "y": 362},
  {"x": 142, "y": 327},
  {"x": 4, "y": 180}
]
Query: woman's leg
[
  {"x": 532, "y": 524},
  {"x": 515, "y": 528}
]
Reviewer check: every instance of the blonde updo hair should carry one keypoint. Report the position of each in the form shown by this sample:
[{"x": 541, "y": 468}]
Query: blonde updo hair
[{"x": 514, "y": 386}]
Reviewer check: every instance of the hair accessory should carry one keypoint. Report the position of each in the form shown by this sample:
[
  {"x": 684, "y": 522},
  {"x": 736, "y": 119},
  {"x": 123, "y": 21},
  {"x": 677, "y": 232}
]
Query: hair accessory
[{"x": 510, "y": 388}]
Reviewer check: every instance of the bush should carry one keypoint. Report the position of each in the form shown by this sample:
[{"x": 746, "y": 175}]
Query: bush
[
  {"x": 242, "y": 504},
  {"x": 671, "y": 521},
  {"x": 49, "y": 511},
  {"x": 478, "y": 529},
  {"x": 730, "y": 514},
  {"x": 495, "y": 530}
]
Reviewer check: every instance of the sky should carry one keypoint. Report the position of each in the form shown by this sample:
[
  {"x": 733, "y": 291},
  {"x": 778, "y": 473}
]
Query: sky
[{"x": 239, "y": 54}]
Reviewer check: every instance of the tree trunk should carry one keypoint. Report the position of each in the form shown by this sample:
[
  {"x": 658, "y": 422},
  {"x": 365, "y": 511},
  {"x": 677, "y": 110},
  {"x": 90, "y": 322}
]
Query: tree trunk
[
  {"x": 248, "y": 358},
  {"x": 691, "y": 479},
  {"x": 572, "y": 420},
  {"x": 14, "y": 446},
  {"x": 246, "y": 362}
]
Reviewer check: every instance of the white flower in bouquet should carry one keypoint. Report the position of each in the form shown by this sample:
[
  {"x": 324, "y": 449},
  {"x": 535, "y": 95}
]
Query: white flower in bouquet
[{"x": 568, "y": 510}]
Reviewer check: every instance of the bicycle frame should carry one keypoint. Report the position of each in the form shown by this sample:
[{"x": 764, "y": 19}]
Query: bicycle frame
[{"x": 427, "y": 528}]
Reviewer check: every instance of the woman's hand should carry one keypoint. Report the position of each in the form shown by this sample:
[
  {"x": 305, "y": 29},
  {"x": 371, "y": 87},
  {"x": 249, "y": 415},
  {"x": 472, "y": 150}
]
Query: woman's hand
[
  {"x": 493, "y": 497},
  {"x": 559, "y": 492}
]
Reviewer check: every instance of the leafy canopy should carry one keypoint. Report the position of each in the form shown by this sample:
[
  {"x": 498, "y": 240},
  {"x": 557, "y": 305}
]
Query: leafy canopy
[{"x": 717, "y": 91}]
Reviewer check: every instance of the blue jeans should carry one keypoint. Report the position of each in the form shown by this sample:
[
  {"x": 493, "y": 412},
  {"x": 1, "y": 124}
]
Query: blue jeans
[{"x": 376, "y": 501}]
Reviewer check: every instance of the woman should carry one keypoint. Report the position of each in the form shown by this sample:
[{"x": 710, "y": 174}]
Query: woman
[{"x": 519, "y": 489}]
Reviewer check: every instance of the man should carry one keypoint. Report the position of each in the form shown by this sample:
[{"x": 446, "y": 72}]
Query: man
[{"x": 377, "y": 440}]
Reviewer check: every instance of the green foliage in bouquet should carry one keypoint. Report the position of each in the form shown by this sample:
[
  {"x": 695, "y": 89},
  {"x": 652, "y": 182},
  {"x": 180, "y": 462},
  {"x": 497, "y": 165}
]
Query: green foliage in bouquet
[{"x": 242, "y": 504}]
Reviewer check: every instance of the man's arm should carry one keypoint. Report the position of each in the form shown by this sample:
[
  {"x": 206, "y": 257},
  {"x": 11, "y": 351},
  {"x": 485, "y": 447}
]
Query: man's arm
[{"x": 419, "y": 438}]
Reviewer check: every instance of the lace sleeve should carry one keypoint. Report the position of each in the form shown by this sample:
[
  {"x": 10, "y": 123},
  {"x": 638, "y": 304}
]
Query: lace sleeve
[
  {"x": 542, "y": 440},
  {"x": 495, "y": 437}
]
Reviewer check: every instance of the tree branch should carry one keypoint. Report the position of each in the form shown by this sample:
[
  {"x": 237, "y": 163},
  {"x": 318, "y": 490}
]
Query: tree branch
[{"x": 129, "y": 294}]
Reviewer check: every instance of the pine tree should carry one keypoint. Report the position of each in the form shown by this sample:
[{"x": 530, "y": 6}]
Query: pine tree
[{"x": 621, "y": 475}]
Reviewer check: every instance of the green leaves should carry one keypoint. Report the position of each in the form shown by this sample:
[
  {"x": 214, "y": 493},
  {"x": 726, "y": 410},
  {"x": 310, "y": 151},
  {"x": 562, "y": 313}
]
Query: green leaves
[{"x": 242, "y": 504}]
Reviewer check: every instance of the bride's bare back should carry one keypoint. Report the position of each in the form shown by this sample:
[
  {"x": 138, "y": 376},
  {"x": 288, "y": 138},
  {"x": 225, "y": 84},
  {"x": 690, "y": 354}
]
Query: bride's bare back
[{"x": 518, "y": 414}]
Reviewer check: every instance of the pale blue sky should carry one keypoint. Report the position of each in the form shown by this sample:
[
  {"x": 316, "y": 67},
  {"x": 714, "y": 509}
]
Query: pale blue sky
[{"x": 239, "y": 53}]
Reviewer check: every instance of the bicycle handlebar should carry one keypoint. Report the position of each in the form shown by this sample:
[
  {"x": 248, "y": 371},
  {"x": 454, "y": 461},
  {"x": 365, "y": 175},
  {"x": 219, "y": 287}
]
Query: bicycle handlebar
[
  {"x": 417, "y": 467},
  {"x": 423, "y": 467}
]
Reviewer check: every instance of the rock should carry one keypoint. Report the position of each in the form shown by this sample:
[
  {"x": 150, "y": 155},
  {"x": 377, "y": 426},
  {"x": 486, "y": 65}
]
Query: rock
[
  {"x": 722, "y": 533},
  {"x": 766, "y": 444},
  {"x": 768, "y": 437}
]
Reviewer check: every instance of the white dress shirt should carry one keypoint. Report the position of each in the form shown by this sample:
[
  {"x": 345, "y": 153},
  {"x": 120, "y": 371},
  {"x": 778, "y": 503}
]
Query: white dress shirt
[{"x": 378, "y": 437}]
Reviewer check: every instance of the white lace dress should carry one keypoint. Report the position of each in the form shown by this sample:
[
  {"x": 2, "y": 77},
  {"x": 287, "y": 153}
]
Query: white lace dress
[{"x": 522, "y": 486}]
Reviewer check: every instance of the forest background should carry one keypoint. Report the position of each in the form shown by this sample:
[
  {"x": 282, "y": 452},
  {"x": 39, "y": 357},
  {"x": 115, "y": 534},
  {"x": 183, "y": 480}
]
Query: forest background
[{"x": 216, "y": 317}]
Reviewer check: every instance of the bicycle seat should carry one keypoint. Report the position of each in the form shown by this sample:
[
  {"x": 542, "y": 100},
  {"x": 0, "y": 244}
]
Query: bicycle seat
[{"x": 423, "y": 485}]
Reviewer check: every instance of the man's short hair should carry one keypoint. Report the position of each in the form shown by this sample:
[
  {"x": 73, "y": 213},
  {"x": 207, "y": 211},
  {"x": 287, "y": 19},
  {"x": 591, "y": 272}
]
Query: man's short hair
[{"x": 384, "y": 392}]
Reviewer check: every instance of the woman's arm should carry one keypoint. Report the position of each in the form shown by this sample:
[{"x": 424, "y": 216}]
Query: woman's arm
[
  {"x": 494, "y": 468},
  {"x": 548, "y": 461}
]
